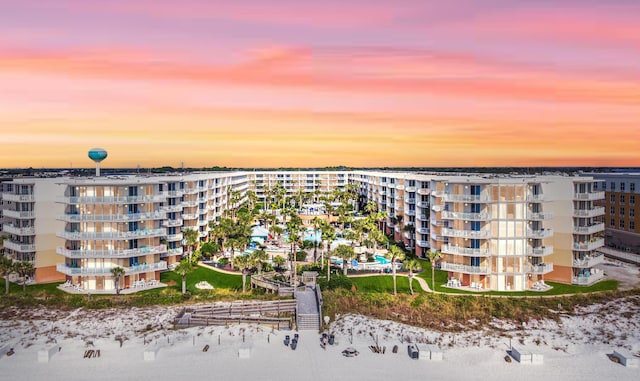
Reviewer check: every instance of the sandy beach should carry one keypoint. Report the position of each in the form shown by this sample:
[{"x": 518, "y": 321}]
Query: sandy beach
[{"x": 576, "y": 347}]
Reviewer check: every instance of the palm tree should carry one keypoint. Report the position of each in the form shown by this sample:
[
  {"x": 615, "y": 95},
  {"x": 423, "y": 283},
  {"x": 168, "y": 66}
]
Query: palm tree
[
  {"x": 24, "y": 268},
  {"x": 394, "y": 253},
  {"x": 244, "y": 263},
  {"x": 370, "y": 207},
  {"x": 315, "y": 221},
  {"x": 279, "y": 261},
  {"x": 328, "y": 235},
  {"x": 117, "y": 273},
  {"x": 184, "y": 267},
  {"x": 346, "y": 253},
  {"x": 412, "y": 265},
  {"x": 411, "y": 229},
  {"x": 259, "y": 257},
  {"x": 295, "y": 229},
  {"x": 433, "y": 257},
  {"x": 6, "y": 268},
  {"x": 191, "y": 237}
]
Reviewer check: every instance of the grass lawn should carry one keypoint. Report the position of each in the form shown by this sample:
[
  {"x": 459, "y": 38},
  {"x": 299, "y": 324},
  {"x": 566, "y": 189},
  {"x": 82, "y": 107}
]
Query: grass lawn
[
  {"x": 49, "y": 288},
  {"x": 384, "y": 283},
  {"x": 217, "y": 279}
]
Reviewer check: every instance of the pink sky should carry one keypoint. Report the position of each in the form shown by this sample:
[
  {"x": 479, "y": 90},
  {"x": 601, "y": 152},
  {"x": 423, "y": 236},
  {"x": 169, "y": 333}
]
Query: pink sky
[{"x": 308, "y": 83}]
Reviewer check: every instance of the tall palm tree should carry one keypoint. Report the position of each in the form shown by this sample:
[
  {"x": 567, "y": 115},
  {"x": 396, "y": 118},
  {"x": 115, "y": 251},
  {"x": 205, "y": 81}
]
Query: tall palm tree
[
  {"x": 6, "y": 268},
  {"x": 433, "y": 257},
  {"x": 315, "y": 221},
  {"x": 412, "y": 265},
  {"x": 191, "y": 238},
  {"x": 346, "y": 253},
  {"x": 394, "y": 253},
  {"x": 328, "y": 236},
  {"x": 370, "y": 207},
  {"x": 279, "y": 261},
  {"x": 259, "y": 257},
  {"x": 118, "y": 273},
  {"x": 295, "y": 228},
  {"x": 244, "y": 263},
  {"x": 183, "y": 269},
  {"x": 24, "y": 269},
  {"x": 411, "y": 229}
]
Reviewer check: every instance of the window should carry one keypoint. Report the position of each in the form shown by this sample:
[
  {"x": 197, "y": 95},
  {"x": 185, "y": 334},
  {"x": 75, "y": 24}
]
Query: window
[
  {"x": 621, "y": 224},
  {"x": 612, "y": 210},
  {"x": 632, "y": 187},
  {"x": 622, "y": 186},
  {"x": 613, "y": 186},
  {"x": 622, "y": 199},
  {"x": 612, "y": 198},
  {"x": 632, "y": 212},
  {"x": 622, "y": 212},
  {"x": 632, "y": 200},
  {"x": 604, "y": 186},
  {"x": 612, "y": 223},
  {"x": 632, "y": 225}
]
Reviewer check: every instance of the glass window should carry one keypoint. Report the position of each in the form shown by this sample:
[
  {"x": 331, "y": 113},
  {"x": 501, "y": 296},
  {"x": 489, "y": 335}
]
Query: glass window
[
  {"x": 622, "y": 212},
  {"x": 612, "y": 223},
  {"x": 632, "y": 212},
  {"x": 622, "y": 186},
  {"x": 612, "y": 198},
  {"x": 632, "y": 225},
  {"x": 632, "y": 200},
  {"x": 632, "y": 187},
  {"x": 621, "y": 224},
  {"x": 612, "y": 210},
  {"x": 622, "y": 199}
]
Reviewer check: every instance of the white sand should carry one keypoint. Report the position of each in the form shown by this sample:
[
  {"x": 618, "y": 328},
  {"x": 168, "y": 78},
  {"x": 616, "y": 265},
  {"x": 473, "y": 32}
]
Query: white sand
[{"x": 574, "y": 349}]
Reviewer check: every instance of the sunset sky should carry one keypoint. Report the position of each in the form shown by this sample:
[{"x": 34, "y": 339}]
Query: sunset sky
[{"x": 257, "y": 83}]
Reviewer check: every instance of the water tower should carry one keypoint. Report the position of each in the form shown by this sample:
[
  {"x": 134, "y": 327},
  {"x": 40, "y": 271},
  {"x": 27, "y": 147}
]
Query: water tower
[{"x": 97, "y": 155}]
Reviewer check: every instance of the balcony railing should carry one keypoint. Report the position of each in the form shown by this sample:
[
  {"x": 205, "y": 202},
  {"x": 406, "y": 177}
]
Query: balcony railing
[
  {"x": 409, "y": 189},
  {"x": 589, "y": 196},
  {"x": 540, "y": 251},
  {"x": 18, "y": 214},
  {"x": 539, "y": 234},
  {"x": 449, "y": 197},
  {"x": 438, "y": 193},
  {"x": 19, "y": 231},
  {"x": 588, "y": 246},
  {"x": 175, "y": 193},
  {"x": 467, "y": 251},
  {"x": 437, "y": 208},
  {"x": 79, "y": 236},
  {"x": 535, "y": 197},
  {"x": 435, "y": 222},
  {"x": 539, "y": 216},
  {"x": 18, "y": 197},
  {"x": 589, "y": 261},
  {"x": 410, "y": 200},
  {"x": 112, "y": 199},
  {"x": 465, "y": 216},
  {"x": 106, "y": 271},
  {"x": 172, "y": 208},
  {"x": 422, "y": 217},
  {"x": 422, "y": 204},
  {"x": 597, "y": 211},
  {"x": 454, "y": 267},
  {"x": 588, "y": 229},
  {"x": 19, "y": 247},
  {"x": 112, "y": 217},
  {"x": 175, "y": 251},
  {"x": 466, "y": 233},
  {"x": 410, "y": 212},
  {"x": 190, "y": 216},
  {"x": 543, "y": 268},
  {"x": 174, "y": 237},
  {"x": 422, "y": 191},
  {"x": 189, "y": 204},
  {"x": 422, "y": 230},
  {"x": 587, "y": 279},
  {"x": 423, "y": 243},
  {"x": 160, "y": 249},
  {"x": 171, "y": 223}
]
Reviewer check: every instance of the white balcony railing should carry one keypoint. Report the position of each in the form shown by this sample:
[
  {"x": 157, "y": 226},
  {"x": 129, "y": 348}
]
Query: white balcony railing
[
  {"x": 539, "y": 234},
  {"x": 466, "y": 233},
  {"x": 18, "y": 214},
  {"x": 106, "y": 271},
  {"x": 175, "y": 251},
  {"x": 18, "y": 197},
  {"x": 174, "y": 237},
  {"x": 535, "y": 197},
  {"x": 172, "y": 208},
  {"x": 543, "y": 268},
  {"x": 537, "y": 216},
  {"x": 595, "y": 212},
  {"x": 112, "y": 217},
  {"x": 587, "y": 279},
  {"x": 160, "y": 249},
  {"x": 422, "y": 230},
  {"x": 589, "y": 196},
  {"x": 588, "y": 229},
  {"x": 19, "y": 247},
  {"x": 422, "y": 191},
  {"x": 113, "y": 199},
  {"x": 467, "y": 251},
  {"x": 79, "y": 236},
  {"x": 410, "y": 200},
  {"x": 19, "y": 231},
  {"x": 422, "y": 204},
  {"x": 588, "y": 261},
  {"x": 540, "y": 251},
  {"x": 422, "y": 217},
  {"x": 449, "y": 197},
  {"x": 588, "y": 246},
  {"x": 172, "y": 223},
  {"x": 423, "y": 243},
  {"x": 465, "y": 216},
  {"x": 467, "y": 269}
]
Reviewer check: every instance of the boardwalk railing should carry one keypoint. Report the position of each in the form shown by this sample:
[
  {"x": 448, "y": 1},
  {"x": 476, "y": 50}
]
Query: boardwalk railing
[{"x": 277, "y": 313}]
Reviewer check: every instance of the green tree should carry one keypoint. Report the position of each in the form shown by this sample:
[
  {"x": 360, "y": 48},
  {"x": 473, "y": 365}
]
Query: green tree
[
  {"x": 6, "y": 268},
  {"x": 346, "y": 253},
  {"x": 433, "y": 257},
  {"x": 24, "y": 269},
  {"x": 315, "y": 221},
  {"x": 411, "y": 229},
  {"x": 191, "y": 238},
  {"x": 117, "y": 273},
  {"x": 296, "y": 229},
  {"x": 184, "y": 268},
  {"x": 279, "y": 261},
  {"x": 412, "y": 265},
  {"x": 394, "y": 253},
  {"x": 244, "y": 264},
  {"x": 259, "y": 257},
  {"x": 328, "y": 236}
]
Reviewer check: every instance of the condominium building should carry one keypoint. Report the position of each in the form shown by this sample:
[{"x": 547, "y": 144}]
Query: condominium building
[
  {"x": 496, "y": 232},
  {"x": 622, "y": 213}
]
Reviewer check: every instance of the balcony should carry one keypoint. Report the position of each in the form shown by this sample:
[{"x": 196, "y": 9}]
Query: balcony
[
  {"x": 589, "y": 261},
  {"x": 410, "y": 212},
  {"x": 422, "y": 217},
  {"x": 540, "y": 251},
  {"x": 160, "y": 249},
  {"x": 19, "y": 247},
  {"x": 175, "y": 251},
  {"x": 587, "y": 279},
  {"x": 112, "y": 199},
  {"x": 435, "y": 222},
  {"x": 410, "y": 200},
  {"x": 106, "y": 271},
  {"x": 438, "y": 193},
  {"x": 593, "y": 196},
  {"x": 588, "y": 229},
  {"x": 538, "y": 216},
  {"x": 423, "y": 243},
  {"x": 190, "y": 216},
  {"x": 174, "y": 237},
  {"x": 467, "y": 251},
  {"x": 437, "y": 208},
  {"x": 175, "y": 193},
  {"x": 437, "y": 237},
  {"x": 466, "y": 233},
  {"x": 449, "y": 197},
  {"x": 595, "y": 212},
  {"x": 423, "y": 191},
  {"x": 588, "y": 246},
  {"x": 172, "y": 223},
  {"x": 115, "y": 235},
  {"x": 172, "y": 208},
  {"x": 19, "y": 231},
  {"x": 17, "y": 214},
  {"x": 535, "y": 197},
  {"x": 18, "y": 197},
  {"x": 193, "y": 190},
  {"x": 423, "y": 204},
  {"x": 458, "y": 268},
  {"x": 540, "y": 234},
  {"x": 465, "y": 216},
  {"x": 111, "y": 217},
  {"x": 409, "y": 189},
  {"x": 543, "y": 268},
  {"x": 422, "y": 230},
  {"x": 189, "y": 203}
]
